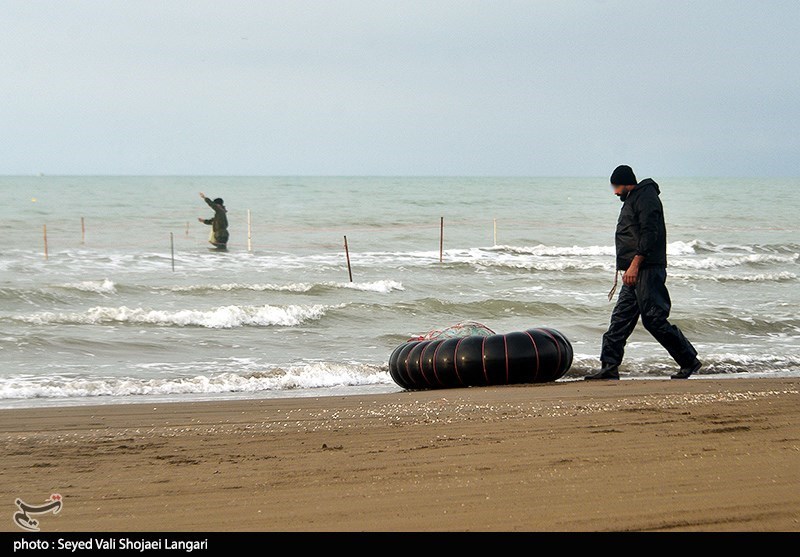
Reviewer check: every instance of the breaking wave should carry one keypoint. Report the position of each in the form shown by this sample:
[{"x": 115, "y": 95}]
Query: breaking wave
[
  {"x": 381, "y": 286},
  {"x": 714, "y": 364},
  {"x": 104, "y": 286},
  {"x": 308, "y": 375},
  {"x": 226, "y": 317}
]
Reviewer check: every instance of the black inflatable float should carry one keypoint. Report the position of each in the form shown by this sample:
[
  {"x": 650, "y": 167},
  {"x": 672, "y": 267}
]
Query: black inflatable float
[{"x": 533, "y": 356}]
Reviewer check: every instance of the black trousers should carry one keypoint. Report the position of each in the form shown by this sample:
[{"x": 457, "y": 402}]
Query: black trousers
[{"x": 649, "y": 299}]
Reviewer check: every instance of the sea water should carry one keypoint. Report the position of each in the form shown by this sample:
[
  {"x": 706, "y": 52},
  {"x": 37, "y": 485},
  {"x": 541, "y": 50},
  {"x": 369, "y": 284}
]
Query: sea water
[{"x": 127, "y": 303}]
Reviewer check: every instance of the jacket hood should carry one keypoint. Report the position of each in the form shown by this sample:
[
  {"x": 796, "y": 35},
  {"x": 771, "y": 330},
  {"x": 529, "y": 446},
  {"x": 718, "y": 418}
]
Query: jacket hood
[{"x": 647, "y": 183}]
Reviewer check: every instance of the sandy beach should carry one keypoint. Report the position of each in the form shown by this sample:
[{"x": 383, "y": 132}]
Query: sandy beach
[{"x": 632, "y": 455}]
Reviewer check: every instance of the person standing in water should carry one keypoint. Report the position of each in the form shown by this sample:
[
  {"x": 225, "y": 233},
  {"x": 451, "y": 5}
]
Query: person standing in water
[
  {"x": 641, "y": 246},
  {"x": 219, "y": 222}
]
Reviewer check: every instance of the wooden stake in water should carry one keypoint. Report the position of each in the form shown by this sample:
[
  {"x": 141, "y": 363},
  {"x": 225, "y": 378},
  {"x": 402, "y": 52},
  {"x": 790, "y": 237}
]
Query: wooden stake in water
[
  {"x": 172, "y": 249},
  {"x": 249, "y": 233},
  {"x": 347, "y": 253},
  {"x": 83, "y": 232},
  {"x": 45, "y": 242},
  {"x": 441, "y": 238}
]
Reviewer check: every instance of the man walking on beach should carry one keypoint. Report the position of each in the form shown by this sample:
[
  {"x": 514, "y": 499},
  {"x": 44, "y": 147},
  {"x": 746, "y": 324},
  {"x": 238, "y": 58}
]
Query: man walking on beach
[
  {"x": 641, "y": 247},
  {"x": 219, "y": 222}
]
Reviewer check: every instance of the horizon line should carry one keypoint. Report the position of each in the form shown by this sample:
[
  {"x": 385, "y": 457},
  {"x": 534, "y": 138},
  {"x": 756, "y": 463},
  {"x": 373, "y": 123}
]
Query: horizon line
[{"x": 539, "y": 176}]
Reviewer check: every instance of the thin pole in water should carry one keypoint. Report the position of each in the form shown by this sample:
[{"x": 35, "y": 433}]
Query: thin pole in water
[
  {"x": 249, "y": 232},
  {"x": 441, "y": 238},
  {"x": 347, "y": 253},
  {"x": 172, "y": 249},
  {"x": 45, "y": 242}
]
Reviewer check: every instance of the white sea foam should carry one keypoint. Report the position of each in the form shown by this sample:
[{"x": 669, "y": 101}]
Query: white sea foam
[
  {"x": 226, "y": 317},
  {"x": 673, "y": 248},
  {"x": 732, "y": 261},
  {"x": 684, "y": 248},
  {"x": 231, "y": 287},
  {"x": 306, "y": 375},
  {"x": 737, "y": 277},
  {"x": 542, "y": 264},
  {"x": 717, "y": 363},
  {"x": 380, "y": 286},
  {"x": 556, "y": 251},
  {"x": 746, "y": 363},
  {"x": 104, "y": 286},
  {"x": 573, "y": 258}
]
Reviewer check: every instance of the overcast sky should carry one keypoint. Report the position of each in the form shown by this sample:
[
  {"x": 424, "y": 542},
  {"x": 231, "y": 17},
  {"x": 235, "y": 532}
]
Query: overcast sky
[{"x": 383, "y": 87}]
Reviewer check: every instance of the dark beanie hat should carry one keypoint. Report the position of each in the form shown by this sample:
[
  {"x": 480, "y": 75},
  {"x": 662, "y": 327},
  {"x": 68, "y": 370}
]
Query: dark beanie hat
[
  {"x": 219, "y": 201},
  {"x": 623, "y": 176}
]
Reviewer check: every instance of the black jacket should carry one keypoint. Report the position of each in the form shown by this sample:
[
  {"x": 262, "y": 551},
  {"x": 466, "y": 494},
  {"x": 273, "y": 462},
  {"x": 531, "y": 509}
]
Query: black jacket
[
  {"x": 640, "y": 228},
  {"x": 219, "y": 222}
]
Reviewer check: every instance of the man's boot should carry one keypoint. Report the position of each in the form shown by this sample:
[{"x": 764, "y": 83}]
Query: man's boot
[
  {"x": 607, "y": 371},
  {"x": 686, "y": 372}
]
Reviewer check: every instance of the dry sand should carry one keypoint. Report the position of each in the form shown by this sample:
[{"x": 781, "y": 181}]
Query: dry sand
[{"x": 632, "y": 455}]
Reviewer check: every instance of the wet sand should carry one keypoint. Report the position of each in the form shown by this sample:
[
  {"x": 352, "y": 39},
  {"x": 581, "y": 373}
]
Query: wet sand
[{"x": 631, "y": 455}]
